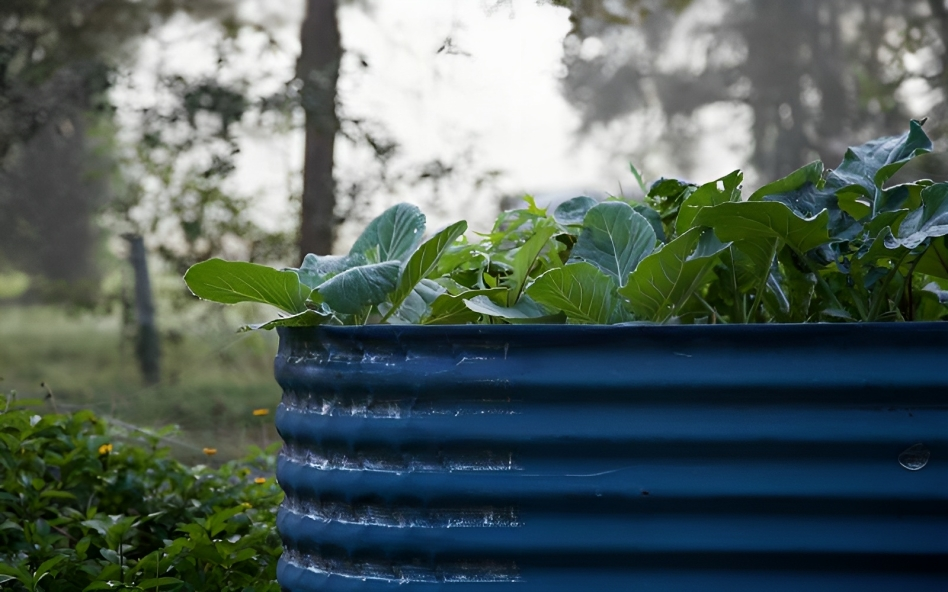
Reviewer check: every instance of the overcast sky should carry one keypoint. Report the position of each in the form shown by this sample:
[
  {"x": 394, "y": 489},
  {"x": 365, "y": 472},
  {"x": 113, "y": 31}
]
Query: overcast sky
[{"x": 493, "y": 88}]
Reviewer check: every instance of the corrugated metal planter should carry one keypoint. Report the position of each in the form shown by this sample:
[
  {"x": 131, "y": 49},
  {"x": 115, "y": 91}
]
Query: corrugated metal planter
[{"x": 576, "y": 458}]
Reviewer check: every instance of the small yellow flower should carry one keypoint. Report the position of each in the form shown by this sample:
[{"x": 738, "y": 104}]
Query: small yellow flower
[
  {"x": 259, "y": 480},
  {"x": 246, "y": 505},
  {"x": 105, "y": 449},
  {"x": 210, "y": 451},
  {"x": 260, "y": 412}
]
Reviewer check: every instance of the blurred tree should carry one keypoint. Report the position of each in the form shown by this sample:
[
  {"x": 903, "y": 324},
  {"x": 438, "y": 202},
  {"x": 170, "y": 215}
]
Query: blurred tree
[
  {"x": 333, "y": 194},
  {"x": 814, "y": 75},
  {"x": 40, "y": 38},
  {"x": 173, "y": 187},
  {"x": 56, "y": 65},
  {"x": 318, "y": 73},
  {"x": 168, "y": 176}
]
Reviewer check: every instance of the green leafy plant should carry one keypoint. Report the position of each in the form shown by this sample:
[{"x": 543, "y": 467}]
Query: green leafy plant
[
  {"x": 87, "y": 506},
  {"x": 817, "y": 245}
]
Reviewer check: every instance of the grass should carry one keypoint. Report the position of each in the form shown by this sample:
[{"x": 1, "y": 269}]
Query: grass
[{"x": 212, "y": 377}]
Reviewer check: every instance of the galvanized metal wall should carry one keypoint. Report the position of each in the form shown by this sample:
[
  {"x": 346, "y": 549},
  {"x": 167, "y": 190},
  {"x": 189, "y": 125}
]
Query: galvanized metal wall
[{"x": 567, "y": 458}]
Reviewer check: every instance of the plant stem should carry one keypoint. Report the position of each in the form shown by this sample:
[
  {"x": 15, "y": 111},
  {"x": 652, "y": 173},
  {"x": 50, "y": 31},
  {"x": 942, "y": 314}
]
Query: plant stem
[
  {"x": 759, "y": 293},
  {"x": 907, "y": 289},
  {"x": 714, "y": 314},
  {"x": 740, "y": 306},
  {"x": 879, "y": 296},
  {"x": 860, "y": 305},
  {"x": 820, "y": 281}
]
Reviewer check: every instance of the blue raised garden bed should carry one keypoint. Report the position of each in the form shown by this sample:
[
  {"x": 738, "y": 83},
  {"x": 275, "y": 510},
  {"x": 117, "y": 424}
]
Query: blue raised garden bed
[{"x": 529, "y": 458}]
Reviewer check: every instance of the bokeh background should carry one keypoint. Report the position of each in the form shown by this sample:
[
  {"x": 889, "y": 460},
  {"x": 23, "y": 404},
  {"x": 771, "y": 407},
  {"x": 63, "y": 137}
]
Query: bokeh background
[{"x": 138, "y": 137}]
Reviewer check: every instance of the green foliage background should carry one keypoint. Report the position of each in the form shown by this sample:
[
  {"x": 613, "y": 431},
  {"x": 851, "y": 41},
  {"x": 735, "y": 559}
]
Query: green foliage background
[{"x": 85, "y": 505}]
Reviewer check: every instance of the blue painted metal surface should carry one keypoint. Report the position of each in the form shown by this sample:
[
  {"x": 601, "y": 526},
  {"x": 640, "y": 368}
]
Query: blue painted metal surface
[{"x": 566, "y": 458}]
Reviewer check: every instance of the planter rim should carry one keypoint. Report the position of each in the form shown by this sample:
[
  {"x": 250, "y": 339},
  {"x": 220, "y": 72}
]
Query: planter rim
[
  {"x": 790, "y": 329},
  {"x": 642, "y": 355}
]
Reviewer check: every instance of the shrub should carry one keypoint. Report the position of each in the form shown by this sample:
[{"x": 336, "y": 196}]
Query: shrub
[{"x": 85, "y": 505}]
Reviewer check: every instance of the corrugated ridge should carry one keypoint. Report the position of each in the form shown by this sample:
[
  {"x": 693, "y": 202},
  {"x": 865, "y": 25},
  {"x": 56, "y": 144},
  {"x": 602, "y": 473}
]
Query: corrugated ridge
[{"x": 422, "y": 459}]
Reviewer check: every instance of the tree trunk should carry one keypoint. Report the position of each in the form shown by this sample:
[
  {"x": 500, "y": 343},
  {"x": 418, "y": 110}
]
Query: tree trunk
[
  {"x": 318, "y": 69},
  {"x": 940, "y": 12},
  {"x": 147, "y": 346}
]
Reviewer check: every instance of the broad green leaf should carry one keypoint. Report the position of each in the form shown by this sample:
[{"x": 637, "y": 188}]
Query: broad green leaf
[
  {"x": 809, "y": 200},
  {"x": 663, "y": 281},
  {"x": 765, "y": 219},
  {"x": 934, "y": 261},
  {"x": 723, "y": 190},
  {"x": 583, "y": 292},
  {"x": 614, "y": 239},
  {"x": 525, "y": 308},
  {"x": 759, "y": 253},
  {"x": 802, "y": 191},
  {"x": 810, "y": 174},
  {"x": 753, "y": 261},
  {"x": 891, "y": 220},
  {"x": 670, "y": 190},
  {"x": 354, "y": 289},
  {"x": 524, "y": 260},
  {"x": 309, "y": 318},
  {"x": 450, "y": 285},
  {"x": 391, "y": 236},
  {"x": 737, "y": 276},
  {"x": 747, "y": 268},
  {"x": 572, "y": 211},
  {"x": 930, "y": 220},
  {"x": 230, "y": 282},
  {"x": 906, "y": 196},
  {"x": 665, "y": 196},
  {"x": 416, "y": 306},
  {"x": 883, "y": 246},
  {"x": 867, "y": 167},
  {"x": 422, "y": 262},
  {"x": 429, "y": 290},
  {"x": 654, "y": 218},
  {"x": 450, "y": 309},
  {"x": 316, "y": 269},
  {"x": 854, "y": 204},
  {"x": 461, "y": 256}
]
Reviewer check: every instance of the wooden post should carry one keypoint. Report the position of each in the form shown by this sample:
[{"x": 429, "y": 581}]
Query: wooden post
[{"x": 147, "y": 345}]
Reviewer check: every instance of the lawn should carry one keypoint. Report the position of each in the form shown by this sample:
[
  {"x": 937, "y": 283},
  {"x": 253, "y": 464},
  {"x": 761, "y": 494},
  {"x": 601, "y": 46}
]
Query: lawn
[{"x": 212, "y": 377}]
